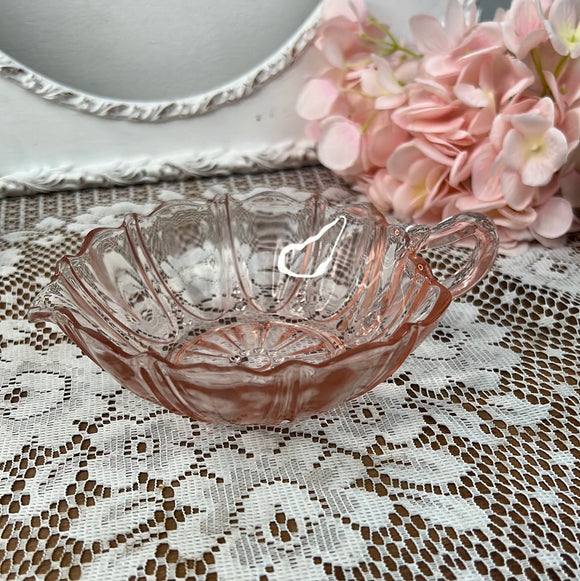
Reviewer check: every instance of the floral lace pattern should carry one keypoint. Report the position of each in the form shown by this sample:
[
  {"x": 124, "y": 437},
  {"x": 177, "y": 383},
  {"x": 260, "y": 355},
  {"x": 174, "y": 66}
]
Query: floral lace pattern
[{"x": 463, "y": 465}]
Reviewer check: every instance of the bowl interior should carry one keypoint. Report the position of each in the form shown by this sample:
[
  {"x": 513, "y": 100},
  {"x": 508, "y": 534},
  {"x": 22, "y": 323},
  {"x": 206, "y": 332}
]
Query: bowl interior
[{"x": 252, "y": 283}]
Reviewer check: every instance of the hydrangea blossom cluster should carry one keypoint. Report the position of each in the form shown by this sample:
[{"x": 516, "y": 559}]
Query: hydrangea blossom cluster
[{"x": 473, "y": 116}]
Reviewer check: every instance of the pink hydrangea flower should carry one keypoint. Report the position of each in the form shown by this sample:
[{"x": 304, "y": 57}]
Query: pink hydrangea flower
[
  {"x": 317, "y": 98},
  {"x": 447, "y": 48},
  {"x": 422, "y": 181},
  {"x": 340, "y": 144},
  {"x": 534, "y": 148},
  {"x": 563, "y": 27},
  {"x": 380, "y": 81},
  {"x": 523, "y": 27},
  {"x": 475, "y": 116},
  {"x": 435, "y": 38}
]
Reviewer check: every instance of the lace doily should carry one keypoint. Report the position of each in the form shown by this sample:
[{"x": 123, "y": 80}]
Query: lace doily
[{"x": 464, "y": 465}]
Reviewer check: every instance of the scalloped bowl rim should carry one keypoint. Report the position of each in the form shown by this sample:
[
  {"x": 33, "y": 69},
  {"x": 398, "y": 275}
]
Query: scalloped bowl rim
[{"x": 37, "y": 313}]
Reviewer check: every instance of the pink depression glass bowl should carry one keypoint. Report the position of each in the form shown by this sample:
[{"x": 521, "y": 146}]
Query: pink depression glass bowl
[{"x": 261, "y": 310}]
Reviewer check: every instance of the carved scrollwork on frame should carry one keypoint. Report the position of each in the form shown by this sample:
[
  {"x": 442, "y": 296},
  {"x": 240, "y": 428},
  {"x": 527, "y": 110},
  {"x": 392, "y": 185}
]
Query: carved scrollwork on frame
[{"x": 206, "y": 164}]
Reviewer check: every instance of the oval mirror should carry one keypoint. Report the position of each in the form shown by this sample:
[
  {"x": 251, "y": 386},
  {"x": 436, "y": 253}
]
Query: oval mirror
[{"x": 150, "y": 51}]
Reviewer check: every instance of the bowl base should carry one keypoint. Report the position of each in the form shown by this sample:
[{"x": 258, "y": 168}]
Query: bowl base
[{"x": 258, "y": 345}]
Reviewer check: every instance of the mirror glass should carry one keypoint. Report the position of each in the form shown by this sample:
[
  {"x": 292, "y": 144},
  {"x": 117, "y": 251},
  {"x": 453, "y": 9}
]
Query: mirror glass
[{"x": 146, "y": 50}]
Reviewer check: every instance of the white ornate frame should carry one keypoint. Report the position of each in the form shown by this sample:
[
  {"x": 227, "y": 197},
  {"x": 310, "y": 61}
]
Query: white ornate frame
[
  {"x": 54, "y": 137},
  {"x": 264, "y": 109}
]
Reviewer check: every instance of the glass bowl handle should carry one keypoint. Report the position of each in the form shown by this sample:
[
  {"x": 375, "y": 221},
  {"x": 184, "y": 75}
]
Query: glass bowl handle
[{"x": 463, "y": 226}]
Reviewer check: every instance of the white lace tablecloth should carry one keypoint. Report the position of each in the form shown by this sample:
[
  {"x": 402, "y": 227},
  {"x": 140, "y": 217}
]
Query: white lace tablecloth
[{"x": 464, "y": 465}]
